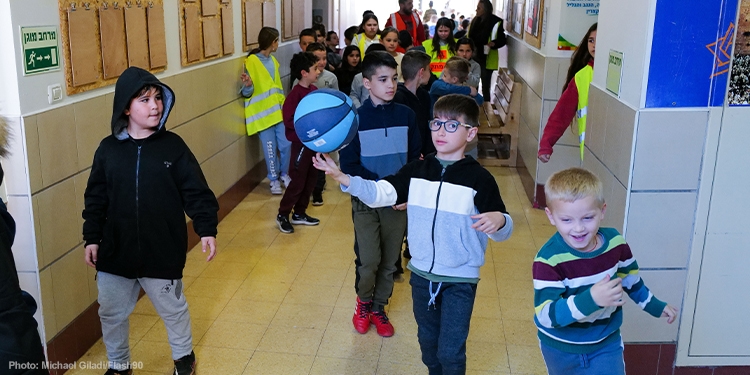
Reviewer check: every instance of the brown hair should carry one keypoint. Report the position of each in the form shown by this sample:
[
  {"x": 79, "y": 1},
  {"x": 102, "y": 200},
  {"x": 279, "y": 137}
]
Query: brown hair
[{"x": 458, "y": 67}]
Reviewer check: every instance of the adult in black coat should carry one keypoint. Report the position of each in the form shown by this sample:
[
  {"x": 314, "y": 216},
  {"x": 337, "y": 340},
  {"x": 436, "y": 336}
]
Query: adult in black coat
[{"x": 480, "y": 31}]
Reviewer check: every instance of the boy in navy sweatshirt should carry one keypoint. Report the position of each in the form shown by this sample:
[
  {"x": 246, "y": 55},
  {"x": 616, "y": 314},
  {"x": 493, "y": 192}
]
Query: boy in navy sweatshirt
[
  {"x": 387, "y": 139},
  {"x": 454, "y": 208}
]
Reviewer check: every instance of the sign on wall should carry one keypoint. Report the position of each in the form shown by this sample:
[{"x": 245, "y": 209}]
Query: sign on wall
[
  {"x": 614, "y": 72},
  {"x": 577, "y": 16},
  {"x": 739, "y": 80},
  {"x": 40, "y": 49}
]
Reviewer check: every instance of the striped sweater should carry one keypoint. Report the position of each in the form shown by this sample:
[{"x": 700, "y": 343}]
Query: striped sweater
[
  {"x": 441, "y": 203},
  {"x": 566, "y": 315}
]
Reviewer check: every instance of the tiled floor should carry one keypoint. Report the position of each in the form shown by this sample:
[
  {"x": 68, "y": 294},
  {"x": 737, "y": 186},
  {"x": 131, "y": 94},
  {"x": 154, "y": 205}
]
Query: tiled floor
[{"x": 273, "y": 303}]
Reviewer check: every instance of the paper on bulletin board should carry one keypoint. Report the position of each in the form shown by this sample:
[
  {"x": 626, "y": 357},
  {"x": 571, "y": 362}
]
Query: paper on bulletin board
[
  {"x": 577, "y": 16},
  {"x": 614, "y": 72}
]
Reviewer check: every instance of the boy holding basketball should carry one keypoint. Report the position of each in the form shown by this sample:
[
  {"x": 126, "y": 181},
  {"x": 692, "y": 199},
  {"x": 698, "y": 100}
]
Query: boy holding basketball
[
  {"x": 387, "y": 139},
  {"x": 454, "y": 207},
  {"x": 304, "y": 68}
]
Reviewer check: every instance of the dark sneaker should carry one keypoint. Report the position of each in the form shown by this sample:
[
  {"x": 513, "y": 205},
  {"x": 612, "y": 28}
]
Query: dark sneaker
[
  {"x": 317, "y": 199},
  {"x": 284, "y": 225},
  {"x": 185, "y": 365},
  {"x": 304, "y": 219},
  {"x": 118, "y": 372},
  {"x": 380, "y": 320},
  {"x": 361, "y": 318}
]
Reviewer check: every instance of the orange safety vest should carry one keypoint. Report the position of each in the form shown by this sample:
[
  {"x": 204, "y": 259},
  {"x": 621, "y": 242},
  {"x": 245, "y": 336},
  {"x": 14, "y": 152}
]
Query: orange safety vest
[{"x": 399, "y": 24}]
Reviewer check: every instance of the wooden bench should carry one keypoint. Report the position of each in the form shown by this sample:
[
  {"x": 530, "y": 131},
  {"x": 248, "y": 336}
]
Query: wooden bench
[{"x": 498, "y": 123}]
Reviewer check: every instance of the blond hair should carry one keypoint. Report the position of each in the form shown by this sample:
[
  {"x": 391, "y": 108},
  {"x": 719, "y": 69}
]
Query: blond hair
[
  {"x": 572, "y": 184},
  {"x": 458, "y": 67}
]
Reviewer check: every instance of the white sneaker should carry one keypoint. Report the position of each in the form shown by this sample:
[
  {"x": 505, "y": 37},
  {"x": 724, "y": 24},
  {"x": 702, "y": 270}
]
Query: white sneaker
[
  {"x": 276, "y": 188},
  {"x": 286, "y": 180}
]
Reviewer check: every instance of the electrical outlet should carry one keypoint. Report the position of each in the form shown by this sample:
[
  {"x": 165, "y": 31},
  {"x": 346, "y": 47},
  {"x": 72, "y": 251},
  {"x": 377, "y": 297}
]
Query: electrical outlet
[{"x": 54, "y": 93}]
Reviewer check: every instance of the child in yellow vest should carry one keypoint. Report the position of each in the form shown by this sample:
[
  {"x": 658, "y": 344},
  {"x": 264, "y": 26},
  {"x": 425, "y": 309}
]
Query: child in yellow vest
[{"x": 442, "y": 46}]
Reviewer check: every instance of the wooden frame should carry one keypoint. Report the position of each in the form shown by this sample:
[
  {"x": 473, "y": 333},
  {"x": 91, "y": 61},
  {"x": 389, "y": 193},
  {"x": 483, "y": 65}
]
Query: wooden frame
[
  {"x": 533, "y": 22},
  {"x": 517, "y": 16},
  {"x": 204, "y": 31},
  {"x": 292, "y": 18}
]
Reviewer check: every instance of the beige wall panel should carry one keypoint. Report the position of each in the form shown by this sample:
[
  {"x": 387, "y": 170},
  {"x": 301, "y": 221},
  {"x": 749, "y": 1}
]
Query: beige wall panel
[
  {"x": 58, "y": 220},
  {"x": 92, "y": 125},
  {"x": 57, "y": 144},
  {"x": 38, "y": 232},
  {"x": 48, "y": 305},
  {"x": 32, "y": 150},
  {"x": 70, "y": 287}
]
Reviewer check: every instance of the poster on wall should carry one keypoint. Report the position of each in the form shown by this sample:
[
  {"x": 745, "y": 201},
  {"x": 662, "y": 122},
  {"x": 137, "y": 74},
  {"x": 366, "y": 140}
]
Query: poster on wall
[
  {"x": 516, "y": 19},
  {"x": 739, "y": 80},
  {"x": 577, "y": 16},
  {"x": 533, "y": 16}
]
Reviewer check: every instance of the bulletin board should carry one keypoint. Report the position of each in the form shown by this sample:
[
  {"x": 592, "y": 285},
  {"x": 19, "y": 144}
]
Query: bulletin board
[
  {"x": 533, "y": 22},
  {"x": 255, "y": 15},
  {"x": 206, "y": 30},
  {"x": 292, "y": 18},
  {"x": 100, "y": 39}
]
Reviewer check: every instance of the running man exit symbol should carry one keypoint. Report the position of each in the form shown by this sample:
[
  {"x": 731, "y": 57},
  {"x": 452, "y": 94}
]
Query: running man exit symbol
[{"x": 40, "y": 49}]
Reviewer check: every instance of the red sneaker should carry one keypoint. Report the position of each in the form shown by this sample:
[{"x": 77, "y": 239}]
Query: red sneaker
[
  {"x": 380, "y": 320},
  {"x": 361, "y": 318}
]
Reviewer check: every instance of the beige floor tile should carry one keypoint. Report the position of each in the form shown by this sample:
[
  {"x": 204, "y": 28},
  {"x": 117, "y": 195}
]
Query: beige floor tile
[
  {"x": 486, "y": 330},
  {"x": 258, "y": 237},
  {"x": 320, "y": 276},
  {"x": 206, "y": 307},
  {"x": 520, "y": 257},
  {"x": 303, "y": 341},
  {"x": 517, "y": 309},
  {"x": 509, "y": 271},
  {"x": 351, "y": 344},
  {"x": 140, "y": 324},
  {"x": 263, "y": 363},
  {"x": 401, "y": 349},
  {"x": 234, "y": 335},
  {"x": 240, "y": 254},
  {"x": 339, "y": 259},
  {"x": 487, "y": 307},
  {"x": 158, "y": 333},
  {"x": 515, "y": 289},
  {"x": 155, "y": 356},
  {"x": 194, "y": 267},
  {"x": 486, "y": 356},
  {"x": 341, "y": 319},
  {"x": 343, "y": 366},
  {"x": 520, "y": 332},
  {"x": 526, "y": 360},
  {"x": 403, "y": 322},
  {"x": 213, "y": 287},
  {"x": 213, "y": 360},
  {"x": 302, "y": 316},
  {"x": 313, "y": 294},
  {"x": 515, "y": 241},
  {"x": 391, "y": 368},
  {"x": 276, "y": 270},
  {"x": 249, "y": 311},
  {"x": 227, "y": 270}
]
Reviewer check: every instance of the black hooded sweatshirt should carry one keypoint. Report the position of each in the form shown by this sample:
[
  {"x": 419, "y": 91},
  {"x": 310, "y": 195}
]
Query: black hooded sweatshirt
[{"x": 139, "y": 191}]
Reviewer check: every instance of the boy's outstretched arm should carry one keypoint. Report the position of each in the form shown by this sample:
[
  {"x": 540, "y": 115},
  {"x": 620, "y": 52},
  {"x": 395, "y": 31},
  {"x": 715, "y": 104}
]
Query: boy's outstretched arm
[
  {"x": 379, "y": 193},
  {"x": 497, "y": 225},
  {"x": 634, "y": 286},
  {"x": 326, "y": 164}
]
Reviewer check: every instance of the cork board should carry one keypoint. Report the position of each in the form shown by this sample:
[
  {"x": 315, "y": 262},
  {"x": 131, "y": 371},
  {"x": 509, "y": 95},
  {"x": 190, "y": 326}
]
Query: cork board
[
  {"x": 137, "y": 36},
  {"x": 252, "y": 25},
  {"x": 202, "y": 30},
  {"x": 227, "y": 29},
  {"x": 86, "y": 38},
  {"x": 157, "y": 40},
  {"x": 114, "y": 47},
  {"x": 269, "y": 14},
  {"x": 292, "y": 18}
]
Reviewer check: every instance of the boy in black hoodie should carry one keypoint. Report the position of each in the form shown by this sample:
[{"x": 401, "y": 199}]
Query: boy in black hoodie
[{"x": 143, "y": 180}]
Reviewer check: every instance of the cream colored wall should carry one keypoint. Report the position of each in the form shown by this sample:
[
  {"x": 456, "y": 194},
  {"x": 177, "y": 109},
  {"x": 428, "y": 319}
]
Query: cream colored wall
[{"x": 61, "y": 144}]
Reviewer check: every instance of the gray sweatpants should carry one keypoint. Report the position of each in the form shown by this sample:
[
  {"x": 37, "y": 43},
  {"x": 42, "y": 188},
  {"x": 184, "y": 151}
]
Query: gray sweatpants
[{"x": 117, "y": 298}]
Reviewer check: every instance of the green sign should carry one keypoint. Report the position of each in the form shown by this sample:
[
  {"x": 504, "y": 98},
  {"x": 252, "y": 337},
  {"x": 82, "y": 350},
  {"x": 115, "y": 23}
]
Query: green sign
[
  {"x": 614, "y": 72},
  {"x": 40, "y": 49}
]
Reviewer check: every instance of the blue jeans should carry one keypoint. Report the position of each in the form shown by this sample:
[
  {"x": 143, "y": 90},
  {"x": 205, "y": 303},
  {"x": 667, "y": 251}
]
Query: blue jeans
[
  {"x": 442, "y": 328},
  {"x": 608, "y": 360},
  {"x": 273, "y": 140}
]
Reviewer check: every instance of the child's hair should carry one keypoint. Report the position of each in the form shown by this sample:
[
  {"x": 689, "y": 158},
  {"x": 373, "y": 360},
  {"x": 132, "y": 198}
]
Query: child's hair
[
  {"x": 453, "y": 106},
  {"x": 366, "y": 16},
  {"x": 375, "y": 47},
  {"x": 463, "y": 41},
  {"x": 122, "y": 121},
  {"x": 350, "y": 32},
  {"x": 266, "y": 37},
  {"x": 328, "y": 35},
  {"x": 374, "y": 60},
  {"x": 412, "y": 62},
  {"x": 320, "y": 28},
  {"x": 301, "y": 61},
  {"x": 345, "y": 61},
  {"x": 465, "y": 23},
  {"x": 450, "y": 40},
  {"x": 387, "y": 31},
  {"x": 572, "y": 184},
  {"x": 580, "y": 58},
  {"x": 458, "y": 67},
  {"x": 308, "y": 32},
  {"x": 312, "y": 47},
  {"x": 404, "y": 39}
]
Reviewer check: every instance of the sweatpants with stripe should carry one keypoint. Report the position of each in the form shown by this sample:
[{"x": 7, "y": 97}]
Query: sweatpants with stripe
[{"x": 117, "y": 298}]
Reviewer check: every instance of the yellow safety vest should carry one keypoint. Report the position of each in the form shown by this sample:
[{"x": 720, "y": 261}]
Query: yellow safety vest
[
  {"x": 263, "y": 109},
  {"x": 437, "y": 64},
  {"x": 583, "y": 79},
  {"x": 492, "y": 57},
  {"x": 362, "y": 41}
]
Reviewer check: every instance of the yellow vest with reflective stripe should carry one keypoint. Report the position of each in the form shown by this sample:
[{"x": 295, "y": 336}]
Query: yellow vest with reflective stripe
[
  {"x": 438, "y": 60},
  {"x": 493, "y": 57},
  {"x": 583, "y": 79},
  {"x": 263, "y": 109},
  {"x": 362, "y": 44}
]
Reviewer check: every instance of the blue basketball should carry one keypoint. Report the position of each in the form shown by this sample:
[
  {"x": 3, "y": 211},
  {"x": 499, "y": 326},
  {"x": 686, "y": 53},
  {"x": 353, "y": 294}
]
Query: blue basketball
[{"x": 325, "y": 120}]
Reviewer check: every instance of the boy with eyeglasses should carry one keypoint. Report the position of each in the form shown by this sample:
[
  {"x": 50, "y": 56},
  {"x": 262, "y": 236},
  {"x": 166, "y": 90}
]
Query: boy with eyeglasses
[{"x": 454, "y": 207}]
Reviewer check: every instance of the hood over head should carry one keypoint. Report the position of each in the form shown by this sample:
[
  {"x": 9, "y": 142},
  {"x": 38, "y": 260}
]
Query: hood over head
[{"x": 132, "y": 80}]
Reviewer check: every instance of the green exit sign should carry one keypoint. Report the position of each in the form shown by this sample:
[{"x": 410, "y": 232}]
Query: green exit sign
[{"x": 40, "y": 49}]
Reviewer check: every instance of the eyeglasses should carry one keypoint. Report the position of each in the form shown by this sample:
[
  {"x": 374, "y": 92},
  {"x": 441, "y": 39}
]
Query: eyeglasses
[{"x": 450, "y": 126}]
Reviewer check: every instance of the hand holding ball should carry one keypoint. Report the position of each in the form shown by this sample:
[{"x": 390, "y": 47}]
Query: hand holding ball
[{"x": 325, "y": 120}]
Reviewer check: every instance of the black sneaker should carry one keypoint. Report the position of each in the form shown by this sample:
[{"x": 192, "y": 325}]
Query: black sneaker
[
  {"x": 317, "y": 199},
  {"x": 304, "y": 219},
  {"x": 112, "y": 371},
  {"x": 185, "y": 365},
  {"x": 284, "y": 225}
]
